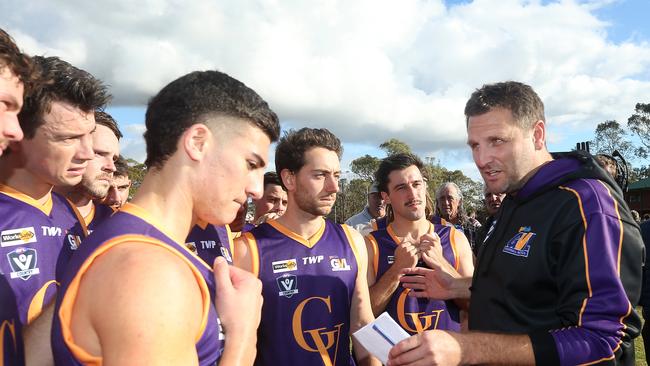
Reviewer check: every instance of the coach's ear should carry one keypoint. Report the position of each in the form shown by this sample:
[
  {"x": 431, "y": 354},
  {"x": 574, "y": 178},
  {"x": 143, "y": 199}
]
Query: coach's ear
[
  {"x": 288, "y": 179},
  {"x": 195, "y": 141}
]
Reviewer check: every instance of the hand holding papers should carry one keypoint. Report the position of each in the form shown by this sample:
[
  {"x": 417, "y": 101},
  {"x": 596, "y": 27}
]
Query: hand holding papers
[{"x": 380, "y": 336}]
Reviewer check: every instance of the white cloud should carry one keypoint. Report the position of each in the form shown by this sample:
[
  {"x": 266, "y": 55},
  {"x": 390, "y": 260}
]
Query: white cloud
[{"x": 368, "y": 70}]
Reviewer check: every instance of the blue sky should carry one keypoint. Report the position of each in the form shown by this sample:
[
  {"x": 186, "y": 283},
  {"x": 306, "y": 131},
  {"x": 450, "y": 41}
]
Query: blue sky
[{"x": 367, "y": 70}]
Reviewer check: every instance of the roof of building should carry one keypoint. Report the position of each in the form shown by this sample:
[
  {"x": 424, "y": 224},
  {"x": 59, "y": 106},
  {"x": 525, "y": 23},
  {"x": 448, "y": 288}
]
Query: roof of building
[{"x": 639, "y": 184}]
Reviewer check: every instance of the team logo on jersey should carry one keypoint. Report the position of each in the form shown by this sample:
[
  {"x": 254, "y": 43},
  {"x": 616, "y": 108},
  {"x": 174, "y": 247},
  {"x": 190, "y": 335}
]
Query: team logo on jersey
[
  {"x": 390, "y": 259},
  {"x": 17, "y": 236},
  {"x": 23, "y": 263},
  {"x": 74, "y": 241},
  {"x": 519, "y": 245},
  {"x": 320, "y": 340},
  {"x": 285, "y": 265},
  {"x": 192, "y": 247},
  {"x": 226, "y": 254},
  {"x": 339, "y": 264},
  {"x": 288, "y": 285},
  {"x": 419, "y": 321}
]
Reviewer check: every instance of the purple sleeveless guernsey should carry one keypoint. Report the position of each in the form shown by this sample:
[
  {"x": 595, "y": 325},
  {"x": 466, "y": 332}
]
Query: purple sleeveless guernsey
[
  {"x": 209, "y": 241},
  {"x": 416, "y": 315},
  {"x": 98, "y": 215},
  {"x": 307, "y": 287},
  {"x": 380, "y": 223},
  {"x": 128, "y": 221},
  {"x": 31, "y": 240}
]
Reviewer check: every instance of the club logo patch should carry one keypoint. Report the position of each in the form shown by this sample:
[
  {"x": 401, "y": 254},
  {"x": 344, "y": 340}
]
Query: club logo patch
[
  {"x": 285, "y": 265},
  {"x": 192, "y": 247},
  {"x": 288, "y": 285},
  {"x": 519, "y": 245},
  {"x": 23, "y": 263},
  {"x": 339, "y": 264},
  {"x": 17, "y": 236}
]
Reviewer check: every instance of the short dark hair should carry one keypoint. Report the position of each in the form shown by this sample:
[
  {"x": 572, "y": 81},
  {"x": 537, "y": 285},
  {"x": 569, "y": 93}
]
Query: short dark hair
[
  {"x": 121, "y": 167},
  {"x": 19, "y": 63},
  {"x": 105, "y": 119},
  {"x": 290, "y": 151},
  {"x": 394, "y": 162},
  {"x": 195, "y": 98},
  {"x": 272, "y": 178},
  {"x": 66, "y": 83},
  {"x": 520, "y": 99}
]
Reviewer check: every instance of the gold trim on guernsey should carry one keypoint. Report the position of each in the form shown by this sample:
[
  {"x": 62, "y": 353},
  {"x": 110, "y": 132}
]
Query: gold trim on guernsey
[
  {"x": 81, "y": 219},
  {"x": 452, "y": 241},
  {"x": 46, "y": 207},
  {"x": 396, "y": 239},
  {"x": 353, "y": 246},
  {"x": 67, "y": 304},
  {"x": 250, "y": 241},
  {"x": 36, "y": 306},
  {"x": 308, "y": 242},
  {"x": 10, "y": 326},
  {"x": 91, "y": 215},
  {"x": 375, "y": 253}
]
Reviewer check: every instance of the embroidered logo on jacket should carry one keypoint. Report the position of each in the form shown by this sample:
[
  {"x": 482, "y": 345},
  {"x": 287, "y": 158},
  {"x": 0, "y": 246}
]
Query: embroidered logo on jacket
[{"x": 519, "y": 245}]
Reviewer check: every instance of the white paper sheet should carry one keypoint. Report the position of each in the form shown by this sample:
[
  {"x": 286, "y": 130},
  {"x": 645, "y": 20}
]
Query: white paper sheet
[{"x": 380, "y": 336}]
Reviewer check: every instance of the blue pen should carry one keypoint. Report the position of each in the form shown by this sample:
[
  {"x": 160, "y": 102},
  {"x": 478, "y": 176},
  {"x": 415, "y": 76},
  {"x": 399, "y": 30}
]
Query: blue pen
[{"x": 375, "y": 327}]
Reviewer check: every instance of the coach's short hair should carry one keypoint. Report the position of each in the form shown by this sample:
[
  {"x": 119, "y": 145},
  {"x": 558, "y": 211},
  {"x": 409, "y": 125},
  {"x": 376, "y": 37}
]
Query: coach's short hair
[
  {"x": 290, "y": 152},
  {"x": 105, "y": 119},
  {"x": 196, "y": 98},
  {"x": 65, "y": 83},
  {"x": 18, "y": 63},
  {"x": 520, "y": 99},
  {"x": 394, "y": 162}
]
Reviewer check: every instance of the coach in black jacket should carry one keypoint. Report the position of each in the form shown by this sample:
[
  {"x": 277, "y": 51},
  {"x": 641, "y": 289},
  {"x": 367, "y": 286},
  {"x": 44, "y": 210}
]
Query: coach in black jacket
[{"x": 556, "y": 280}]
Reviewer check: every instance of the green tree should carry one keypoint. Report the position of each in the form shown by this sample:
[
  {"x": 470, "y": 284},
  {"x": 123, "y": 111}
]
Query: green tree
[
  {"x": 137, "y": 172},
  {"x": 395, "y": 146},
  {"x": 639, "y": 124},
  {"x": 610, "y": 136},
  {"x": 365, "y": 167}
]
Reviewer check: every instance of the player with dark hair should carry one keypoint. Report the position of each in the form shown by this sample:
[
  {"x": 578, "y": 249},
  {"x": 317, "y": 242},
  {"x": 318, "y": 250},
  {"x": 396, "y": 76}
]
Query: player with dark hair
[
  {"x": 274, "y": 200},
  {"x": 313, "y": 271},
  {"x": 58, "y": 121},
  {"x": 118, "y": 192},
  {"x": 133, "y": 293},
  {"x": 411, "y": 240}
]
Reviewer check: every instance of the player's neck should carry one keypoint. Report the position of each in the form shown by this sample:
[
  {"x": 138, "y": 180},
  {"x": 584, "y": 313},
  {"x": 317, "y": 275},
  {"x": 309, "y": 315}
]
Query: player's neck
[
  {"x": 168, "y": 200},
  {"x": 14, "y": 175},
  {"x": 81, "y": 200},
  {"x": 301, "y": 222},
  {"x": 403, "y": 227}
]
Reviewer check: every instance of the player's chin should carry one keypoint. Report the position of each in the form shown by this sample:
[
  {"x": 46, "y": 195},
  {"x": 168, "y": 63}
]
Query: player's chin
[{"x": 68, "y": 180}]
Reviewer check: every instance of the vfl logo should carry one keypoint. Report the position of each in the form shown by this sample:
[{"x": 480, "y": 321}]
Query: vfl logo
[
  {"x": 339, "y": 264},
  {"x": 322, "y": 340},
  {"x": 226, "y": 254},
  {"x": 288, "y": 285},
  {"x": 519, "y": 245},
  {"x": 420, "y": 321},
  {"x": 285, "y": 265},
  {"x": 17, "y": 236},
  {"x": 23, "y": 263}
]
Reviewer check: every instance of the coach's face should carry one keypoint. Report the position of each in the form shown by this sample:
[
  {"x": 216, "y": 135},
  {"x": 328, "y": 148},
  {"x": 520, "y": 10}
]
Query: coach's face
[
  {"x": 503, "y": 152},
  {"x": 11, "y": 101},
  {"x": 62, "y": 146}
]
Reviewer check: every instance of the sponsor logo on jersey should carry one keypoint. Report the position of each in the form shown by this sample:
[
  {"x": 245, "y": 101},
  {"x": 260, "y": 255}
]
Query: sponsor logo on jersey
[
  {"x": 285, "y": 265},
  {"x": 192, "y": 247},
  {"x": 74, "y": 241},
  {"x": 226, "y": 254},
  {"x": 23, "y": 263},
  {"x": 519, "y": 245},
  {"x": 314, "y": 259},
  {"x": 339, "y": 264},
  {"x": 390, "y": 259},
  {"x": 288, "y": 285},
  {"x": 20, "y": 236}
]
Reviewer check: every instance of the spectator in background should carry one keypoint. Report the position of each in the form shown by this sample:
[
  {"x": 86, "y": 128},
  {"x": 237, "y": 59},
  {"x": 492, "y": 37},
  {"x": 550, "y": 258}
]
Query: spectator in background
[
  {"x": 449, "y": 210},
  {"x": 376, "y": 208},
  {"x": 608, "y": 163},
  {"x": 492, "y": 204},
  {"x": 636, "y": 216}
]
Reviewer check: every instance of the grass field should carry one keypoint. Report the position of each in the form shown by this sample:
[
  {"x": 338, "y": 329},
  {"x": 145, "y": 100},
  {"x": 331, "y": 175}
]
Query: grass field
[{"x": 639, "y": 351}]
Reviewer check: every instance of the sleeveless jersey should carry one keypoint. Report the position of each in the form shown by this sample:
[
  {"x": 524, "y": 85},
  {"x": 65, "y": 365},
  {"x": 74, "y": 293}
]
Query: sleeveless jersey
[
  {"x": 31, "y": 240},
  {"x": 416, "y": 315},
  {"x": 130, "y": 220},
  {"x": 308, "y": 286},
  {"x": 98, "y": 215},
  {"x": 209, "y": 241},
  {"x": 379, "y": 223}
]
